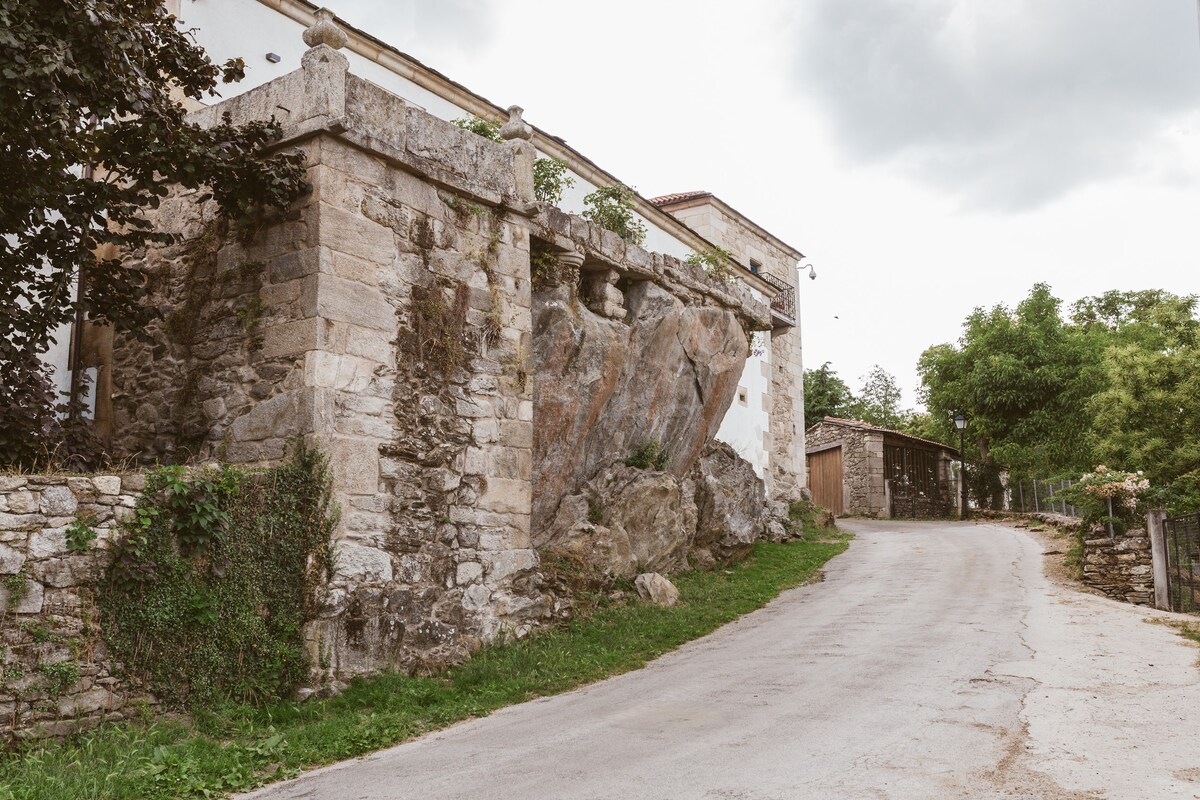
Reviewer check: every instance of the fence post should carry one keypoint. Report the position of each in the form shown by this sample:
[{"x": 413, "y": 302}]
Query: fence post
[
  {"x": 1036, "y": 506},
  {"x": 1156, "y": 528}
]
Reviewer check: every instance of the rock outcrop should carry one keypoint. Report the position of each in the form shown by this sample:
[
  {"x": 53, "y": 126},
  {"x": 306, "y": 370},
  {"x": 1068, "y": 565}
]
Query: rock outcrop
[
  {"x": 628, "y": 520},
  {"x": 604, "y": 387},
  {"x": 731, "y": 504}
]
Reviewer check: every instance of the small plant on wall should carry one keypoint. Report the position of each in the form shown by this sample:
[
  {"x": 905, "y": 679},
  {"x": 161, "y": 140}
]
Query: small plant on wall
[
  {"x": 480, "y": 127},
  {"x": 650, "y": 455},
  {"x": 611, "y": 207},
  {"x": 550, "y": 178},
  {"x": 717, "y": 263}
]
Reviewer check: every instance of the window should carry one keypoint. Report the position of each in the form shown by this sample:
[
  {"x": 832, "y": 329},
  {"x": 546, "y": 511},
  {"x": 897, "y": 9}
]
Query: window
[
  {"x": 743, "y": 396},
  {"x": 755, "y": 266}
]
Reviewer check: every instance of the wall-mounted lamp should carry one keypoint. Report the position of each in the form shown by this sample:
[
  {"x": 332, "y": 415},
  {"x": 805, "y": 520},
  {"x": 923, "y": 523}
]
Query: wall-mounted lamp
[{"x": 274, "y": 58}]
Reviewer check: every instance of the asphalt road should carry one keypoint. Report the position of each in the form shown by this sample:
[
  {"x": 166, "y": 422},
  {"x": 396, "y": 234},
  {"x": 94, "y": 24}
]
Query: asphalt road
[{"x": 935, "y": 661}]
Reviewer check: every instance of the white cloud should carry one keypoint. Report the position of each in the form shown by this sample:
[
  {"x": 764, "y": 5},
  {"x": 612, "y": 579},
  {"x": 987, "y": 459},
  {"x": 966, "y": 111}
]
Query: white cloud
[{"x": 1006, "y": 105}]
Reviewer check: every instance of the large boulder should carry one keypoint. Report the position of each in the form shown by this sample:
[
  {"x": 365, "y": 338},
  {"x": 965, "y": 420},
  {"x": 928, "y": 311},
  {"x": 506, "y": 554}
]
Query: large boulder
[
  {"x": 731, "y": 502},
  {"x": 603, "y": 387},
  {"x": 627, "y": 520}
]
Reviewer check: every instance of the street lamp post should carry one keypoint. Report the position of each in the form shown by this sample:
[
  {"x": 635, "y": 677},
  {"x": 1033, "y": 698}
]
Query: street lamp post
[{"x": 960, "y": 422}]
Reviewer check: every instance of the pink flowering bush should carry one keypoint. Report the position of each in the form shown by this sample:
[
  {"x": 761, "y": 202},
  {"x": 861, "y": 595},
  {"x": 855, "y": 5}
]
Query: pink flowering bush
[{"x": 1107, "y": 496}]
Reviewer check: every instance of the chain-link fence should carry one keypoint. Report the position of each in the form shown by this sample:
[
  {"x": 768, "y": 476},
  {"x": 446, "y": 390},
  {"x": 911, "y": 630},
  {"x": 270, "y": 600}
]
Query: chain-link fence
[{"x": 1038, "y": 496}]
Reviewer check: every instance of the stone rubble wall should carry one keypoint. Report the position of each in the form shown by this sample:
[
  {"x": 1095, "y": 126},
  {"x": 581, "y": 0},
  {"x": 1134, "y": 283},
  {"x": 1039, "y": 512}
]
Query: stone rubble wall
[
  {"x": 862, "y": 465},
  {"x": 55, "y": 673},
  {"x": 1120, "y": 567},
  {"x": 389, "y": 319}
]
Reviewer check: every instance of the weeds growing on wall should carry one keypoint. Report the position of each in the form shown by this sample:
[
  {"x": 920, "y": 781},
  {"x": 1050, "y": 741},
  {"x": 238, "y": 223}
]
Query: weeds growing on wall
[
  {"x": 650, "y": 455},
  {"x": 611, "y": 207},
  {"x": 214, "y": 577},
  {"x": 717, "y": 263},
  {"x": 480, "y": 127},
  {"x": 550, "y": 178}
]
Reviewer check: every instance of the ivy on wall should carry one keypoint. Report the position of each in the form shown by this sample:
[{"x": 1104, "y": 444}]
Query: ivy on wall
[{"x": 215, "y": 576}]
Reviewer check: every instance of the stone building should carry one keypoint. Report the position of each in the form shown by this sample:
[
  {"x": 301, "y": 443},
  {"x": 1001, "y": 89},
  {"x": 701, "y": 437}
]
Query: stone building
[
  {"x": 764, "y": 424},
  {"x": 477, "y": 365},
  {"x": 856, "y": 468}
]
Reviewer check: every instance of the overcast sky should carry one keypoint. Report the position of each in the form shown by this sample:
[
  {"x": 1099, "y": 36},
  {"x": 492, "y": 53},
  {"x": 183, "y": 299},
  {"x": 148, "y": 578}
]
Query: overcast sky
[{"x": 929, "y": 156}]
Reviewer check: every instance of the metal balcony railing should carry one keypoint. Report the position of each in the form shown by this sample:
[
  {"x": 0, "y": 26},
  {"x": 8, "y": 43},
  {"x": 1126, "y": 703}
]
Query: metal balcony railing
[{"x": 783, "y": 304}]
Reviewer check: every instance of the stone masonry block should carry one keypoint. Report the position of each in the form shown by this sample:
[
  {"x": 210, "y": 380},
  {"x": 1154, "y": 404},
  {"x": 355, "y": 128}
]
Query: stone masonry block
[
  {"x": 506, "y": 496},
  {"x": 354, "y": 463},
  {"x": 355, "y": 235}
]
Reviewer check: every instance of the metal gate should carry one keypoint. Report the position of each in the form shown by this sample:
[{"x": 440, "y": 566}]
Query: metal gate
[{"x": 1183, "y": 562}]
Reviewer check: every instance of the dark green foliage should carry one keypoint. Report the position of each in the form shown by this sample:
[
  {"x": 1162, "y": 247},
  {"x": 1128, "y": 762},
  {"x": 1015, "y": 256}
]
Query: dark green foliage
[
  {"x": 878, "y": 401},
  {"x": 650, "y": 455},
  {"x": 611, "y": 207},
  {"x": 825, "y": 395},
  {"x": 240, "y": 748},
  {"x": 480, "y": 127},
  {"x": 95, "y": 82},
  {"x": 549, "y": 179},
  {"x": 1023, "y": 377},
  {"x": 214, "y": 578}
]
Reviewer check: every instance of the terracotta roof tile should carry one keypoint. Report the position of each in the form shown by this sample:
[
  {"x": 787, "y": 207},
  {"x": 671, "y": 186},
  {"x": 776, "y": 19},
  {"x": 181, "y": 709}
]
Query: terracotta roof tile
[{"x": 678, "y": 197}]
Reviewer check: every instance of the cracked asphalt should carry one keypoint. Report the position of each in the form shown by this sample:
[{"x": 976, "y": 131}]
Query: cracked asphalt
[{"x": 935, "y": 661}]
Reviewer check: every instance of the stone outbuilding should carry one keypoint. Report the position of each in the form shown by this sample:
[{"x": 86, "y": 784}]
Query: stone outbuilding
[{"x": 855, "y": 468}]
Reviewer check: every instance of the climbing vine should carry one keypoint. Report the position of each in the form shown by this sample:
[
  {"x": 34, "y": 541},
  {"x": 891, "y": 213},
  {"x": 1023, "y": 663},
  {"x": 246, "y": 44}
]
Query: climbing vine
[{"x": 214, "y": 577}]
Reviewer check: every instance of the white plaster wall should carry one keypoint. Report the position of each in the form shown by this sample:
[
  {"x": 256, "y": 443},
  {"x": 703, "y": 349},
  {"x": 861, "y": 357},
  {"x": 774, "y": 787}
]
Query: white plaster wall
[{"x": 744, "y": 427}]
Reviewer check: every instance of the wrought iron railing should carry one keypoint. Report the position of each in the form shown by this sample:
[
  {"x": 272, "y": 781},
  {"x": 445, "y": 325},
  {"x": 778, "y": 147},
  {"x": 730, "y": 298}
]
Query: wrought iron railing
[
  {"x": 783, "y": 304},
  {"x": 1183, "y": 562}
]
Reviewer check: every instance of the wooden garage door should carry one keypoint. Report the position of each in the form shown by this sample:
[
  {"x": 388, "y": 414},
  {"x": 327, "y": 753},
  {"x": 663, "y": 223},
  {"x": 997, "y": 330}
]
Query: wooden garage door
[{"x": 825, "y": 478}]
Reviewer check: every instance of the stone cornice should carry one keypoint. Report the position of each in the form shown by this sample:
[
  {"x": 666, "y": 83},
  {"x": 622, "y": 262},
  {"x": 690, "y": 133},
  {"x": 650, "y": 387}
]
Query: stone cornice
[{"x": 404, "y": 65}]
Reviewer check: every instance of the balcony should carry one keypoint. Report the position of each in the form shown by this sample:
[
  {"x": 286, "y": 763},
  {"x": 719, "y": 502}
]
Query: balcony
[{"x": 783, "y": 304}]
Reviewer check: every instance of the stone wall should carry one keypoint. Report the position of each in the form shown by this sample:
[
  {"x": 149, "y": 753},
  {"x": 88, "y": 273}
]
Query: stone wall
[
  {"x": 862, "y": 465},
  {"x": 1121, "y": 567},
  {"x": 387, "y": 319},
  {"x": 390, "y": 319},
  {"x": 55, "y": 674}
]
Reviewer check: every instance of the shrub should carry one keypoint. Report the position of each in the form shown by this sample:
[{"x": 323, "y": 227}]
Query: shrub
[
  {"x": 717, "y": 263},
  {"x": 480, "y": 127},
  {"x": 549, "y": 179},
  {"x": 650, "y": 455},
  {"x": 611, "y": 207},
  {"x": 1108, "y": 497},
  {"x": 214, "y": 578}
]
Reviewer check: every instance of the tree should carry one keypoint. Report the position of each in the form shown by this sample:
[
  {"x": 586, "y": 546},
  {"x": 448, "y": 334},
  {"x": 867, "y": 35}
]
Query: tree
[
  {"x": 878, "y": 400},
  {"x": 825, "y": 395},
  {"x": 94, "y": 135},
  {"x": 1024, "y": 378},
  {"x": 1146, "y": 414}
]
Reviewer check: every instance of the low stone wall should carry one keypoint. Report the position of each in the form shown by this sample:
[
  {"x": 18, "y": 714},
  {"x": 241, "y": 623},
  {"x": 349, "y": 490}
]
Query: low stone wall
[
  {"x": 1120, "y": 567},
  {"x": 55, "y": 673}
]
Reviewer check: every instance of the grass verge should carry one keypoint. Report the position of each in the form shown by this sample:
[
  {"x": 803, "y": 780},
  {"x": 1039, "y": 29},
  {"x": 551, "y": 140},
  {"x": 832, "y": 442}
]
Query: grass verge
[{"x": 243, "y": 747}]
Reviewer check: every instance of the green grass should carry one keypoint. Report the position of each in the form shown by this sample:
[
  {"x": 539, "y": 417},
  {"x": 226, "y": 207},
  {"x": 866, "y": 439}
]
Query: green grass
[{"x": 239, "y": 748}]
